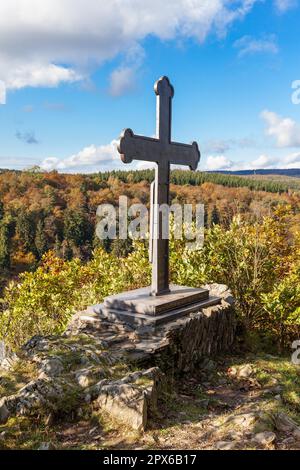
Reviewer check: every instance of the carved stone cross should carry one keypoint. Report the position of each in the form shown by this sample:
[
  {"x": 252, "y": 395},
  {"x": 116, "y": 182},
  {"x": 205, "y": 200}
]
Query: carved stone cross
[{"x": 163, "y": 152}]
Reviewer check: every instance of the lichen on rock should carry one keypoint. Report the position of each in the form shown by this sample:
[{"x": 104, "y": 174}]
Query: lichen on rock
[{"x": 115, "y": 368}]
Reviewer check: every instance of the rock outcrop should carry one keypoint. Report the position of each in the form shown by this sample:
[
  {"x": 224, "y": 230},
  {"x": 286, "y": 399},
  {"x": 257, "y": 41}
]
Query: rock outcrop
[{"x": 91, "y": 363}]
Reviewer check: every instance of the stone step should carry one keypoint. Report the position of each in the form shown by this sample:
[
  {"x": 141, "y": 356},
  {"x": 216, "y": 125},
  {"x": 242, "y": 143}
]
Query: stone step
[
  {"x": 141, "y": 302},
  {"x": 137, "y": 319}
]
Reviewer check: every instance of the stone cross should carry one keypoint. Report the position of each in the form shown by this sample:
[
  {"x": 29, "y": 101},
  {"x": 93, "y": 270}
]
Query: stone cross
[{"x": 163, "y": 152}]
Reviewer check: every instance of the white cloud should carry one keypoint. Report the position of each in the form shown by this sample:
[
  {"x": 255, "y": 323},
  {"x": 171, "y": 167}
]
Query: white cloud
[
  {"x": 292, "y": 160},
  {"x": 121, "y": 81},
  {"x": 44, "y": 43},
  {"x": 106, "y": 157},
  {"x": 286, "y": 131},
  {"x": 39, "y": 75},
  {"x": 284, "y": 5},
  {"x": 89, "y": 158},
  {"x": 219, "y": 162},
  {"x": 249, "y": 45},
  {"x": 145, "y": 165},
  {"x": 264, "y": 162},
  {"x": 2, "y": 93},
  {"x": 221, "y": 146},
  {"x": 261, "y": 162}
]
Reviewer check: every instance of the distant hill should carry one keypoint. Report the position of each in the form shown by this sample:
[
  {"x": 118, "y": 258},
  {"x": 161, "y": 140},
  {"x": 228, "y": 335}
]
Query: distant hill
[{"x": 294, "y": 172}]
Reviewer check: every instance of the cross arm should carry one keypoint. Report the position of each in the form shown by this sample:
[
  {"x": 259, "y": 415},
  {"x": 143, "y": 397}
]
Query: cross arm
[
  {"x": 184, "y": 154},
  {"x": 135, "y": 147}
]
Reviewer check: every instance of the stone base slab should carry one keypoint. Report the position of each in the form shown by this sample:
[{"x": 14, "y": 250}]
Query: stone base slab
[
  {"x": 139, "y": 320},
  {"x": 141, "y": 301}
]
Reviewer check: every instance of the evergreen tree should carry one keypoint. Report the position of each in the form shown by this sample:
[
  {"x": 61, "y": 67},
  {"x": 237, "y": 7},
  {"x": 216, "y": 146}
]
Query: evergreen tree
[
  {"x": 40, "y": 240},
  {"x": 4, "y": 246},
  {"x": 213, "y": 217},
  {"x": 75, "y": 227},
  {"x": 1, "y": 210},
  {"x": 25, "y": 230}
]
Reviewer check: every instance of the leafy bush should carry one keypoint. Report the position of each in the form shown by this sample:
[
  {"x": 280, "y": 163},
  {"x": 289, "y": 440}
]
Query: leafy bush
[
  {"x": 43, "y": 301},
  {"x": 250, "y": 258},
  {"x": 259, "y": 262},
  {"x": 283, "y": 306}
]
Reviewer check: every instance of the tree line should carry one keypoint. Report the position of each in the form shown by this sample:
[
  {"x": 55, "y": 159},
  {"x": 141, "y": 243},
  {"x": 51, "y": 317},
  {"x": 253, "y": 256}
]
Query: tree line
[{"x": 42, "y": 211}]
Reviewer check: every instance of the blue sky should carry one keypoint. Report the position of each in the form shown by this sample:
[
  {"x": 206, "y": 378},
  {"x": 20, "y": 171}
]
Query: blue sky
[{"x": 75, "y": 73}]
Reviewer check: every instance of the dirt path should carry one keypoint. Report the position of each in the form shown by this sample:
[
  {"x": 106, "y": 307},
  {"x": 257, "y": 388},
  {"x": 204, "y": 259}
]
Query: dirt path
[{"x": 229, "y": 404}]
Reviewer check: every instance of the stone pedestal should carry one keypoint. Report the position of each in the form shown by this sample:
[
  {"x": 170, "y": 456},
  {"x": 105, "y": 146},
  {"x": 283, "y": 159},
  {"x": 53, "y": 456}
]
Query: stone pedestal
[
  {"x": 139, "y": 308},
  {"x": 175, "y": 345}
]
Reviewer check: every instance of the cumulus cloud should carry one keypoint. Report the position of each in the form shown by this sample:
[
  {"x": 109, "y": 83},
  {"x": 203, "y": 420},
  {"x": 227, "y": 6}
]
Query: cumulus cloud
[
  {"x": 292, "y": 160},
  {"x": 148, "y": 165},
  {"x": 2, "y": 93},
  {"x": 285, "y": 131},
  {"x": 284, "y": 5},
  {"x": 38, "y": 75},
  {"x": 91, "y": 157},
  {"x": 221, "y": 146},
  {"x": 106, "y": 157},
  {"x": 265, "y": 162},
  {"x": 27, "y": 137},
  {"x": 121, "y": 81},
  {"x": 248, "y": 45},
  {"x": 219, "y": 162},
  {"x": 44, "y": 43}
]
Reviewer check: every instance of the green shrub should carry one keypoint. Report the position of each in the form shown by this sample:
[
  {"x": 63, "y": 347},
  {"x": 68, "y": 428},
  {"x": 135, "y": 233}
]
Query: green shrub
[
  {"x": 257, "y": 261},
  {"x": 282, "y": 306}
]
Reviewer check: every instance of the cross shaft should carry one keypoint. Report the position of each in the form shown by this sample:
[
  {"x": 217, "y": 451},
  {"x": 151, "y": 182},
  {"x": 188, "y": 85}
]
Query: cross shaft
[{"x": 163, "y": 152}]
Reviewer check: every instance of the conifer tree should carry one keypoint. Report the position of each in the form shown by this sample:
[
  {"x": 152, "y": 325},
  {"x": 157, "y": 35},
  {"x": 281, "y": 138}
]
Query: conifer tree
[
  {"x": 213, "y": 217},
  {"x": 75, "y": 227},
  {"x": 40, "y": 240},
  {"x": 1, "y": 210},
  {"x": 25, "y": 230},
  {"x": 4, "y": 246}
]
